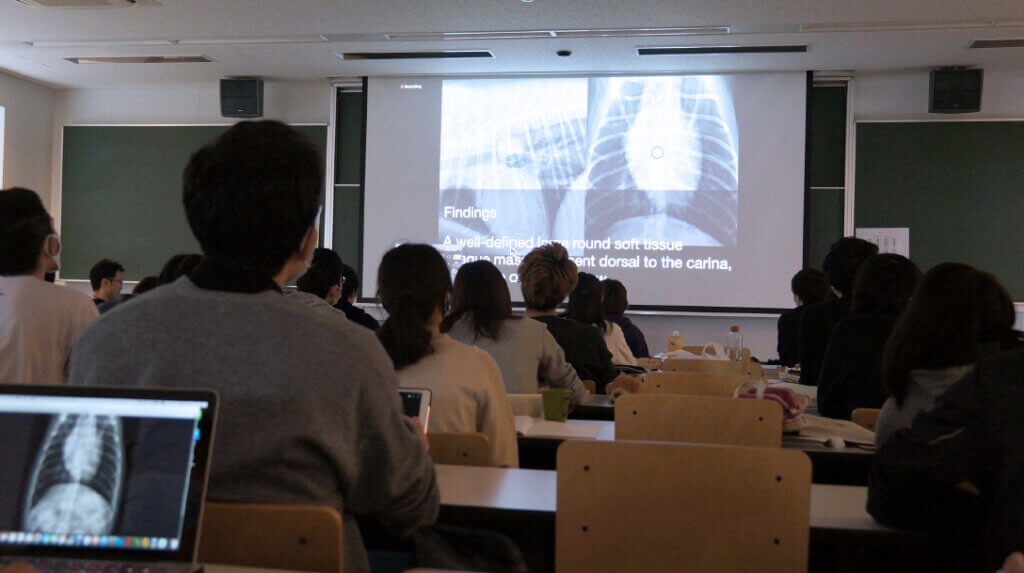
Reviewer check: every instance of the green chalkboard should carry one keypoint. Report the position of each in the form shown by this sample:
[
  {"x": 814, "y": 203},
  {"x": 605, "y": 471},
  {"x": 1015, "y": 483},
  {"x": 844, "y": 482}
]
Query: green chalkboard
[
  {"x": 121, "y": 194},
  {"x": 958, "y": 186}
]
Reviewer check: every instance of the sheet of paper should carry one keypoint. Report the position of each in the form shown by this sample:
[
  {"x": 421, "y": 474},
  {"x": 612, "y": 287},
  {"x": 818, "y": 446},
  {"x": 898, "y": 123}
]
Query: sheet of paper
[{"x": 821, "y": 429}]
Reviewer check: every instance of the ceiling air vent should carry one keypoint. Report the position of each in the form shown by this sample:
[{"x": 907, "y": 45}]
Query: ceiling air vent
[
  {"x": 142, "y": 60},
  {"x": 704, "y": 50},
  {"x": 88, "y": 3},
  {"x": 432, "y": 55},
  {"x": 1012, "y": 43}
]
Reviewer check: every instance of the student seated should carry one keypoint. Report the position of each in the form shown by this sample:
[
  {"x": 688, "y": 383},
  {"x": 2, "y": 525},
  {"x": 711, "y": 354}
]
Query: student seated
[
  {"x": 586, "y": 306},
  {"x": 525, "y": 351},
  {"x": 851, "y": 374},
  {"x": 809, "y": 286},
  {"x": 320, "y": 286},
  {"x": 467, "y": 392},
  {"x": 39, "y": 322},
  {"x": 840, "y": 264},
  {"x": 546, "y": 276},
  {"x": 106, "y": 278},
  {"x": 349, "y": 288},
  {"x": 178, "y": 266},
  {"x": 956, "y": 315},
  {"x": 614, "y": 304},
  {"x": 299, "y": 422},
  {"x": 959, "y": 467}
]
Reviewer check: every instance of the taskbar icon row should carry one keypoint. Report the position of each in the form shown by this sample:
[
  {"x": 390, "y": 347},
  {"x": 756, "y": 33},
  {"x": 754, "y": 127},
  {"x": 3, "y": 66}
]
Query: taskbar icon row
[{"x": 77, "y": 540}]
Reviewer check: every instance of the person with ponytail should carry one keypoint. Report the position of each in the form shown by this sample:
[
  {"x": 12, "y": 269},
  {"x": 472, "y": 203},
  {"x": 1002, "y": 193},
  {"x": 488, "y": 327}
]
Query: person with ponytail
[
  {"x": 525, "y": 351},
  {"x": 585, "y": 305},
  {"x": 468, "y": 394}
]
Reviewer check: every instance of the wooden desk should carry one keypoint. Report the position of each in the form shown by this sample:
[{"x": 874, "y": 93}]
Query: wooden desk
[
  {"x": 522, "y": 504},
  {"x": 849, "y": 466}
]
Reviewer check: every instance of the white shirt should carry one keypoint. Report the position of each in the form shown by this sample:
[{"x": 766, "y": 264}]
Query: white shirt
[
  {"x": 39, "y": 324},
  {"x": 616, "y": 341},
  {"x": 467, "y": 395}
]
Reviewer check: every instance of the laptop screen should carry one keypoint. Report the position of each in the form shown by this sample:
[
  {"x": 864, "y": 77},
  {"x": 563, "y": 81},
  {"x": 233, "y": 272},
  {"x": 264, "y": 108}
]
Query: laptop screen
[{"x": 95, "y": 472}]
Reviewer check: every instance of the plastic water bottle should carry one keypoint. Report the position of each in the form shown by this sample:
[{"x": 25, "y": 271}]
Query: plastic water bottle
[
  {"x": 734, "y": 343},
  {"x": 675, "y": 341}
]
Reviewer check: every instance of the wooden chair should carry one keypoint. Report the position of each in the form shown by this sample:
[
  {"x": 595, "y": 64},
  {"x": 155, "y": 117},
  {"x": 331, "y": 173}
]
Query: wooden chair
[
  {"x": 635, "y": 506},
  {"x": 699, "y": 383},
  {"x": 699, "y": 419},
  {"x": 295, "y": 537},
  {"x": 698, "y": 350},
  {"x": 460, "y": 448},
  {"x": 590, "y": 385},
  {"x": 866, "y": 417},
  {"x": 714, "y": 367}
]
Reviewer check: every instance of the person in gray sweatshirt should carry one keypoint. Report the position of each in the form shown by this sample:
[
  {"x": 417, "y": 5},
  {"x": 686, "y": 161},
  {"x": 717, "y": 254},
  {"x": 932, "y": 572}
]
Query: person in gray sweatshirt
[{"x": 299, "y": 422}]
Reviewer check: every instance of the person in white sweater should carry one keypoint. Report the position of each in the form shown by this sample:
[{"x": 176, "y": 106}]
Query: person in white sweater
[
  {"x": 525, "y": 351},
  {"x": 585, "y": 305},
  {"x": 39, "y": 322},
  {"x": 468, "y": 394}
]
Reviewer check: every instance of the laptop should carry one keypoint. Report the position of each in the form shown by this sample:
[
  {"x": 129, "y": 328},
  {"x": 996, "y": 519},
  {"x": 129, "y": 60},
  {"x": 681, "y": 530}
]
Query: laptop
[{"x": 103, "y": 479}]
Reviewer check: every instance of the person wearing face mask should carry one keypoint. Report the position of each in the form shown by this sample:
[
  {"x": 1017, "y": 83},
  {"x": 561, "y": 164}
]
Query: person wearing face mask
[
  {"x": 320, "y": 286},
  {"x": 39, "y": 322}
]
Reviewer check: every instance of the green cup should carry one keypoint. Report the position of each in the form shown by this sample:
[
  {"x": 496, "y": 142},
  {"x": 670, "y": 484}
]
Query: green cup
[{"x": 556, "y": 404}]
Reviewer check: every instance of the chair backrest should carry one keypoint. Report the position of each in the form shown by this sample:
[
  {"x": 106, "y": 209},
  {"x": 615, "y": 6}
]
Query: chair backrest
[
  {"x": 460, "y": 448},
  {"x": 699, "y": 419},
  {"x": 699, "y": 383},
  {"x": 698, "y": 350},
  {"x": 714, "y": 367},
  {"x": 295, "y": 537},
  {"x": 636, "y": 506},
  {"x": 866, "y": 417},
  {"x": 590, "y": 385}
]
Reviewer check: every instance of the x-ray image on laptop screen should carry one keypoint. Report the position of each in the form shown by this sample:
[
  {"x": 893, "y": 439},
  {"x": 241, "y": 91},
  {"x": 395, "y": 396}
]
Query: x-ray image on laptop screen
[{"x": 96, "y": 471}]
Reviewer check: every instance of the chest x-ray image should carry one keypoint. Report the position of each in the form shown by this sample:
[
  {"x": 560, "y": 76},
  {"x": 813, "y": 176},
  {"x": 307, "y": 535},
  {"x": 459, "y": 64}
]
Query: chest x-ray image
[
  {"x": 76, "y": 482},
  {"x": 619, "y": 158}
]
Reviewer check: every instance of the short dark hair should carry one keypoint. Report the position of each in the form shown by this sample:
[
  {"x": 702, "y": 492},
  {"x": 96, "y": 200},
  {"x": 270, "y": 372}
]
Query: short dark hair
[
  {"x": 615, "y": 298},
  {"x": 810, "y": 285},
  {"x": 956, "y": 315},
  {"x": 412, "y": 282},
  {"x": 145, "y": 285},
  {"x": 546, "y": 276},
  {"x": 24, "y": 226},
  {"x": 481, "y": 294},
  {"x": 884, "y": 284},
  {"x": 177, "y": 266},
  {"x": 251, "y": 195},
  {"x": 585, "y": 302},
  {"x": 351, "y": 284},
  {"x": 843, "y": 259},
  {"x": 104, "y": 269},
  {"x": 323, "y": 273}
]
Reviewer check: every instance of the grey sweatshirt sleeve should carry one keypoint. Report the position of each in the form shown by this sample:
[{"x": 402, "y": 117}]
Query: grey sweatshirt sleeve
[
  {"x": 393, "y": 476},
  {"x": 556, "y": 372}
]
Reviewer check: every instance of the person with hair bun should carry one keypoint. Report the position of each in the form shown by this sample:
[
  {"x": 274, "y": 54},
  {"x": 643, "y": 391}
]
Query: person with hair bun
[
  {"x": 546, "y": 276},
  {"x": 320, "y": 286},
  {"x": 525, "y": 351},
  {"x": 468, "y": 394}
]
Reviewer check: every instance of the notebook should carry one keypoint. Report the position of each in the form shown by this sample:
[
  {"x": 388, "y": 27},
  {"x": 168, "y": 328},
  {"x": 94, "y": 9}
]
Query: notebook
[{"x": 103, "y": 478}]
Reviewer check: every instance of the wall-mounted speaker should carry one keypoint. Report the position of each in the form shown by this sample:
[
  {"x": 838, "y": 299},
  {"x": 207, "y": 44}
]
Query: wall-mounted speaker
[
  {"x": 954, "y": 90},
  {"x": 241, "y": 97}
]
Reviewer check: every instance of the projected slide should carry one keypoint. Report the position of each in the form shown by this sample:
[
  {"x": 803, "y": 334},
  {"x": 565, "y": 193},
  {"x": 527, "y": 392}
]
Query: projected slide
[
  {"x": 687, "y": 188},
  {"x": 591, "y": 163}
]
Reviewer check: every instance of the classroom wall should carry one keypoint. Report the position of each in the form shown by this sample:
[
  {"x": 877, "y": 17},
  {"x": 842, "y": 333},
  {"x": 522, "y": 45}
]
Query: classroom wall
[{"x": 28, "y": 146}]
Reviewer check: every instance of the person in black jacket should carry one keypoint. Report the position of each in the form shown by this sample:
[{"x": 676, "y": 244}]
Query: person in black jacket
[
  {"x": 349, "y": 288},
  {"x": 960, "y": 467},
  {"x": 809, "y": 286},
  {"x": 851, "y": 372},
  {"x": 816, "y": 324}
]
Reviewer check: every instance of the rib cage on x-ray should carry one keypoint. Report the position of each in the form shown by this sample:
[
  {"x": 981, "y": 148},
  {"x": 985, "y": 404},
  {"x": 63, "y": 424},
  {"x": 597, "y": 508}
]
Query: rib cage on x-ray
[
  {"x": 76, "y": 481},
  {"x": 638, "y": 157}
]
